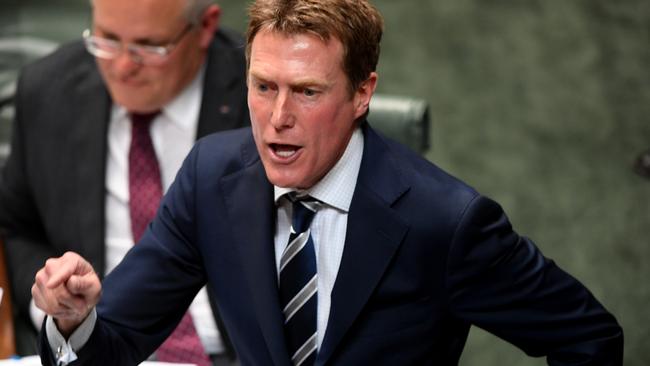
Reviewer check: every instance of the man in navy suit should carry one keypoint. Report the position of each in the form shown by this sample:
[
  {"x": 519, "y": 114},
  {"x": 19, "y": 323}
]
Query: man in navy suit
[{"x": 406, "y": 256}]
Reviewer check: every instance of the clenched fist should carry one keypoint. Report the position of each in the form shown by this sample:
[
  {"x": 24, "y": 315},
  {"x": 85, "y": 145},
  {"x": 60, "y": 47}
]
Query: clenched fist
[{"x": 66, "y": 288}]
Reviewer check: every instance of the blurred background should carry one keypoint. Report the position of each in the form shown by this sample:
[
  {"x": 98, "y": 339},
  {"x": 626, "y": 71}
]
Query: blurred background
[{"x": 541, "y": 105}]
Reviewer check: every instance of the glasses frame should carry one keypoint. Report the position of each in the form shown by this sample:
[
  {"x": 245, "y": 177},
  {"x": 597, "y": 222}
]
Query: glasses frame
[{"x": 109, "y": 49}]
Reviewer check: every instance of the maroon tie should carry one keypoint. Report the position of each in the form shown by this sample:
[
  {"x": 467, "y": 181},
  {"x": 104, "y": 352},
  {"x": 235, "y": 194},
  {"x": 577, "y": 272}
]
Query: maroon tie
[
  {"x": 184, "y": 345},
  {"x": 145, "y": 185},
  {"x": 145, "y": 192}
]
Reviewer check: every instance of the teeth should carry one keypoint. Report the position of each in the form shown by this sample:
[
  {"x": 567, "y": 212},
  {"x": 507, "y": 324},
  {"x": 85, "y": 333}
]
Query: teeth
[{"x": 285, "y": 153}]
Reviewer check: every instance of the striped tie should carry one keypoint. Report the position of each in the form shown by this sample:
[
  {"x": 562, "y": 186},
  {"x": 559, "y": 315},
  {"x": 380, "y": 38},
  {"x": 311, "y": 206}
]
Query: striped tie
[{"x": 298, "y": 284}]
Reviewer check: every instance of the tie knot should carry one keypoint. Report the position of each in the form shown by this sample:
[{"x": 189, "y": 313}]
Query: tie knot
[
  {"x": 304, "y": 209},
  {"x": 143, "y": 120}
]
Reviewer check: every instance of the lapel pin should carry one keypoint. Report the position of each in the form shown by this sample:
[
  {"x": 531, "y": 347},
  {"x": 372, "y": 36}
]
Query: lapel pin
[{"x": 224, "y": 109}]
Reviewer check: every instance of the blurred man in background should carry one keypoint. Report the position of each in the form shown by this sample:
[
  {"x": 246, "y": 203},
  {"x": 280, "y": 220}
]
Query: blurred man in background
[{"x": 101, "y": 128}]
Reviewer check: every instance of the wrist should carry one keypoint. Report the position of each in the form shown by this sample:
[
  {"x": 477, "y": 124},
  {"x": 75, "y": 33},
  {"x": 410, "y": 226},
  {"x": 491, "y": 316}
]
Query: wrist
[{"x": 67, "y": 326}]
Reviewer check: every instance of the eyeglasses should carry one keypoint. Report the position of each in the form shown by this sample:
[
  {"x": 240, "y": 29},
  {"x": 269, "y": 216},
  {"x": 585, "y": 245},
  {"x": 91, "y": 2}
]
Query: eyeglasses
[{"x": 109, "y": 49}]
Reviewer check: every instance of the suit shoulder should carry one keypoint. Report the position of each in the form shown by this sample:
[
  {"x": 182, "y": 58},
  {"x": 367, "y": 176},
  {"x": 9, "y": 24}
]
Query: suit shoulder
[
  {"x": 223, "y": 153},
  {"x": 430, "y": 188},
  {"x": 226, "y": 144},
  {"x": 65, "y": 56},
  {"x": 64, "y": 64},
  {"x": 419, "y": 170},
  {"x": 441, "y": 185},
  {"x": 410, "y": 182},
  {"x": 228, "y": 38},
  {"x": 227, "y": 50}
]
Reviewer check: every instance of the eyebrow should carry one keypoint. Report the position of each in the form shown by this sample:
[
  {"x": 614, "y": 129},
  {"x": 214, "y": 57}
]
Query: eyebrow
[
  {"x": 254, "y": 75},
  {"x": 113, "y": 35},
  {"x": 311, "y": 83},
  {"x": 302, "y": 83}
]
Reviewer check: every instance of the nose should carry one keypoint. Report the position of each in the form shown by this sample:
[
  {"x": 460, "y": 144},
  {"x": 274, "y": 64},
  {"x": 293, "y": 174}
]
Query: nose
[
  {"x": 124, "y": 64},
  {"x": 281, "y": 116}
]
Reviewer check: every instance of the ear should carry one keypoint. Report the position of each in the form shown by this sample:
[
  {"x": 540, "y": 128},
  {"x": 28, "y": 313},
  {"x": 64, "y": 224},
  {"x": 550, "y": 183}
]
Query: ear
[
  {"x": 363, "y": 94},
  {"x": 209, "y": 24}
]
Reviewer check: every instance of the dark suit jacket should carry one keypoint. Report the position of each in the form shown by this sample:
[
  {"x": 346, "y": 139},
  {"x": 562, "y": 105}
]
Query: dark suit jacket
[
  {"x": 425, "y": 256},
  {"x": 52, "y": 190}
]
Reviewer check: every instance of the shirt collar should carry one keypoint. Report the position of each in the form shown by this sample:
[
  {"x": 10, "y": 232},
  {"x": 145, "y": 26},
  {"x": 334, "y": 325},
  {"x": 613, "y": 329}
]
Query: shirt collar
[{"x": 337, "y": 186}]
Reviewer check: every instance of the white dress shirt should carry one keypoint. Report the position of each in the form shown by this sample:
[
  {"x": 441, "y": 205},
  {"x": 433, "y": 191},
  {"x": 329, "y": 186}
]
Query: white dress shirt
[
  {"x": 328, "y": 226},
  {"x": 173, "y": 133}
]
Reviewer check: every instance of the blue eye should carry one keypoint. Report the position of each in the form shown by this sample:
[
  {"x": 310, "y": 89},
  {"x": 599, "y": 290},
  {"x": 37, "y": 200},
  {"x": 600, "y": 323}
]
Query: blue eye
[
  {"x": 309, "y": 92},
  {"x": 262, "y": 87}
]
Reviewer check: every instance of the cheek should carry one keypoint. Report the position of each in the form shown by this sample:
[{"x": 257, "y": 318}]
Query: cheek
[
  {"x": 331, "y": 138},
  {"x": 253, "y": 105},
  {"x": 258, "y": 112},
  {"x": 257, "y": 124},
  {"x": 329, "y": 124},
  {"x": 104, "y": 67}
]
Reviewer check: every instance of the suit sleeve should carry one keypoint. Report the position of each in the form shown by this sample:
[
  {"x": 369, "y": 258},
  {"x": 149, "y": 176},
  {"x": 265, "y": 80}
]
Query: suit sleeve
[
  {"x": 26, "y": 244},
  {"x": 501, "y": 282},
  {"x": 146, "y": 295}
]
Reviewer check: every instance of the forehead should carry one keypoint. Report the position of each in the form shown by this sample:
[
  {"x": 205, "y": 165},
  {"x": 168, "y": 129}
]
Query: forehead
[
  {"x": 301, "y": 53},
  {"x": 152, "y": 16}
]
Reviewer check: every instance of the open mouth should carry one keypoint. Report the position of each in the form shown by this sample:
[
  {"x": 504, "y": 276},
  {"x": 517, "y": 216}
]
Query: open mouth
[{"x": 284, "y": 151}]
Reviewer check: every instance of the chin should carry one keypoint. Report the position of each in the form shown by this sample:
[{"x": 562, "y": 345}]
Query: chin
[
  {"x": 284, "y": 183},
  {"x": 133, "y": 98},
  {"x": 132, "y": 104},
  {"x": 282, "y": 180}
]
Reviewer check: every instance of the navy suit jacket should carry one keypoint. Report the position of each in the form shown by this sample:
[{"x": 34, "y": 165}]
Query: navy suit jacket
[{"x": 425, "y": 257}]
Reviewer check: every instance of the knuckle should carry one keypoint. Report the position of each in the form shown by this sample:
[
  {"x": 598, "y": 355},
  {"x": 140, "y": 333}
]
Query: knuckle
[
  {"x": 69, "y": 255},
  {"x": 39, "y": 277},
  {"x": 35, "y": 292},
  {"x": 73, "y": 284}
]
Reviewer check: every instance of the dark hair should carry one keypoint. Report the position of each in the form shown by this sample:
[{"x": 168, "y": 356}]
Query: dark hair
[{"x": 356, "y": 23}]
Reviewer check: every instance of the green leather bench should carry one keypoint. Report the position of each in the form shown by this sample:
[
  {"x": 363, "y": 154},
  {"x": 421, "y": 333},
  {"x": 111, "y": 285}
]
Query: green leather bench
[{"x": 404, "y": 119}]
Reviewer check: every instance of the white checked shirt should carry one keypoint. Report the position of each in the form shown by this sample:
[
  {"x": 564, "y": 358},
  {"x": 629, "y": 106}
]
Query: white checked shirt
[{"x": 328, "y": 226}]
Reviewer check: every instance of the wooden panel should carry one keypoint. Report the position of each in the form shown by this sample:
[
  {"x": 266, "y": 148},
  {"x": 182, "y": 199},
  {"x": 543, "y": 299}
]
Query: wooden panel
[{"x": 7, "y": 340}]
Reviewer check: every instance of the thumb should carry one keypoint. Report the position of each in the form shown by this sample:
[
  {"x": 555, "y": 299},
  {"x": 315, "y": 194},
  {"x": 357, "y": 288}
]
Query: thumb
[
  {"x": 66, "y": 266},
  {"x": 86, "y": 285}
]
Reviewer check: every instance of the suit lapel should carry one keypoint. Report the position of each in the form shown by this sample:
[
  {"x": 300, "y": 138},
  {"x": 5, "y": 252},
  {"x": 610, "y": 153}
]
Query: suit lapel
[
  {"x": 374, "y": 234},
  {"x": 88, "y": 130},
  {"x": 248, "y": 194}
]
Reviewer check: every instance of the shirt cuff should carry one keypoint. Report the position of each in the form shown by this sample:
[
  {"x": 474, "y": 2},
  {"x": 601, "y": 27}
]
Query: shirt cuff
[
  {"x": 65, "y": 351},
  {"x": 37, "y": 315}
]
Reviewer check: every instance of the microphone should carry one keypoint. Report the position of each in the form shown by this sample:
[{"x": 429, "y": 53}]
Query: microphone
[{"x": 642, "y": 164}]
